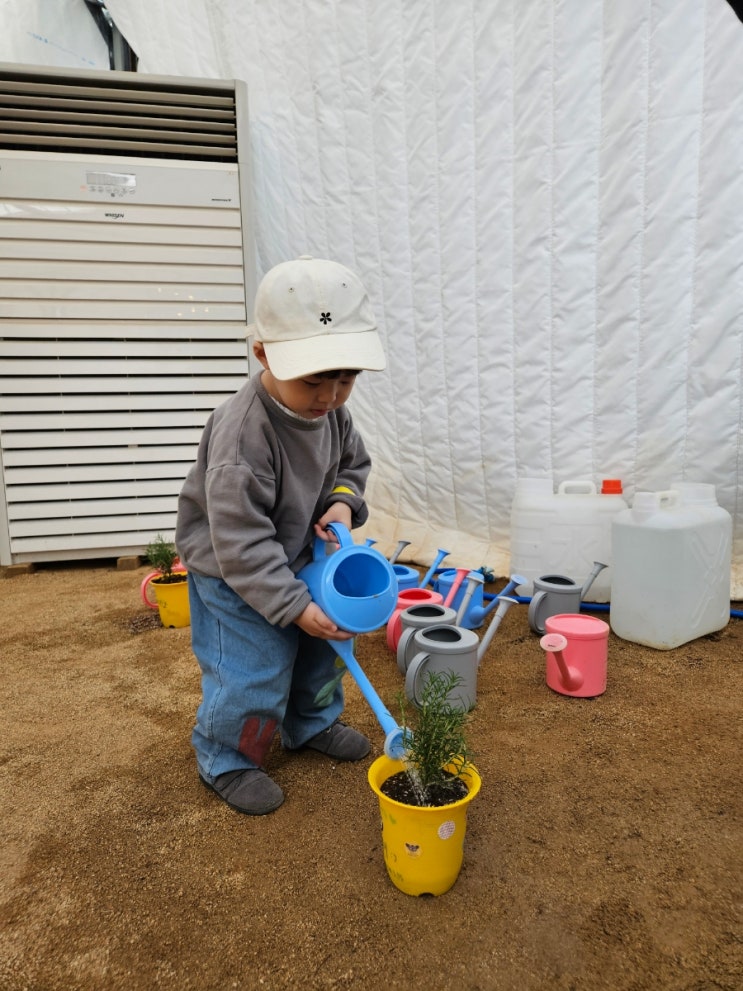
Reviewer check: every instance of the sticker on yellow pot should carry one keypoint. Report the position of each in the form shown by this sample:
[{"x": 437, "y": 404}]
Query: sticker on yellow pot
[{"x": 446, "y": 829}]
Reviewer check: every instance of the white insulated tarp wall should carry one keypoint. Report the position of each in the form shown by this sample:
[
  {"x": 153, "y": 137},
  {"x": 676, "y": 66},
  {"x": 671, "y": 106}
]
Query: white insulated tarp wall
[{"x": 546, "y": 202}]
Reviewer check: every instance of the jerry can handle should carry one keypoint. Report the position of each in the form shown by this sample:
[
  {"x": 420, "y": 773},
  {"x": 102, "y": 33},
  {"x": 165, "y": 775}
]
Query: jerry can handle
[
  {"x": 668, "y": 497},
  {"x": 577, "y": 486}
]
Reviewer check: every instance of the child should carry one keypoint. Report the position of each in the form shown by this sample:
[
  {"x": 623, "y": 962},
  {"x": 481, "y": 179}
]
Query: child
[{"x": 276, "y": 463}]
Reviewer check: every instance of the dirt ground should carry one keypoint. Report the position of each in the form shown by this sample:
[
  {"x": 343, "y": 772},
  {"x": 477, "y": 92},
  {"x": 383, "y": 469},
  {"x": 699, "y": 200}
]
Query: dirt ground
[{"x": 603, "y": 852}]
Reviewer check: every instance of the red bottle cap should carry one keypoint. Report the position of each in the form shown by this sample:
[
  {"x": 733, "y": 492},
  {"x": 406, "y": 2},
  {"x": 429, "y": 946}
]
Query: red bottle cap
[{"x": 611, "y": 486}]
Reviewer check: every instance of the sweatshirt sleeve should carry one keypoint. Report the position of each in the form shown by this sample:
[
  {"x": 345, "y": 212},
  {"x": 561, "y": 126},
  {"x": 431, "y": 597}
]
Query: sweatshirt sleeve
[
  {"x": 250, "y": 558},
  {"x": 351, "y": 477}
]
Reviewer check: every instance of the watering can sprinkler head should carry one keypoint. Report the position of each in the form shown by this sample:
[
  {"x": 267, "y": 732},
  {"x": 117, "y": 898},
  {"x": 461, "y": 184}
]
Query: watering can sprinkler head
[
  {"x": 513, "y": 583},
  {"x": 555, "y": 643},
  {"x": 597, "y": 567},
  {"x": 504, "y": 604},
  {"x": 395, "y": 744},
  {"x": 401, "y": 545}
]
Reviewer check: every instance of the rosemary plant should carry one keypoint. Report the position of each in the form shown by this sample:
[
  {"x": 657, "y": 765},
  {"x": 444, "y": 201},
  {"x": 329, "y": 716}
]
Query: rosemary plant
[
  {"x": 161, "y": 554},
  {"x": 436, "y": 744}
]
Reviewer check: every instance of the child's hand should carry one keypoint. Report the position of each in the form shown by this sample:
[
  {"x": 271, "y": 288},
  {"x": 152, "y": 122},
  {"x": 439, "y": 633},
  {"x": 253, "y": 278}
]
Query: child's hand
[
  {"x": 339, "y": 512},
  {"x": 315, "y": 623}
]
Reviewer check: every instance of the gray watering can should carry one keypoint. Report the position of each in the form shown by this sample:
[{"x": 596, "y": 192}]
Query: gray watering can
[
  {"x": 556, "y": 594},
  {"x": 445, "y": 648},
  {"x": 419, "y": 617}
]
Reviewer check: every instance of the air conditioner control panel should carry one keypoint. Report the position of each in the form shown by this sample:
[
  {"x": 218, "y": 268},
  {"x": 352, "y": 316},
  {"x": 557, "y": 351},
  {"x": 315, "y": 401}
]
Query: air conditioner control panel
[{"x": 112, "y": 184}]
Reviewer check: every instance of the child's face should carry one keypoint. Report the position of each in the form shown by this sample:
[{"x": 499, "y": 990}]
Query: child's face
[
  {"x": 315, "y": 395},
  {"x": 312, "y": 396}
]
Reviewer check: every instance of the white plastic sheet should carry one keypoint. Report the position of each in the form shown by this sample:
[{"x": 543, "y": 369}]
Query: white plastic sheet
[
  {"x": 545, "y": 201},
  {"x": 51, "y": 32}
]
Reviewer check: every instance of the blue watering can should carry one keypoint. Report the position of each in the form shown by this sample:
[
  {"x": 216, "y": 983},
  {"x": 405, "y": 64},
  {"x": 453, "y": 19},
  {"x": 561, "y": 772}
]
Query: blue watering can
[
  {"x": 469, "y": 600},
  {"x": 356, "y": 587}
]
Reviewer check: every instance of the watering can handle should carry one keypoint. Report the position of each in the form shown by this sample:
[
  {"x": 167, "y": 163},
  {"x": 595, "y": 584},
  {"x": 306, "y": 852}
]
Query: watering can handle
[
  {"x": 402, "y": 648},
  {"x": 535, "y": 621},
  {"x": 340, "y": 533},
  {"x": 415, "y": 669},
  {"x": 145, "y": 589}
]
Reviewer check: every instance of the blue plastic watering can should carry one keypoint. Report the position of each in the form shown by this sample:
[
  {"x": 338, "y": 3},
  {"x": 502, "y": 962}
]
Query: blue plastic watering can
[
  {"x": 354, "y": 585},
  {"x": 469, "y": 602}
]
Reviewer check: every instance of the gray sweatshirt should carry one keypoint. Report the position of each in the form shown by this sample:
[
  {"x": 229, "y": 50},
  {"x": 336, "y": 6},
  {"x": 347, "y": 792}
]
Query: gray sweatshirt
[{"x": 261, "y": 479}]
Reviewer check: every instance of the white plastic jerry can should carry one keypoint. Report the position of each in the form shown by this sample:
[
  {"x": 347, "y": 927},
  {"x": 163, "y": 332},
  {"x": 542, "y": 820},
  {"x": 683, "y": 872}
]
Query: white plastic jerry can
[
  {"x": 671, "y": 558},
  {"x": 564, "y": 532}
]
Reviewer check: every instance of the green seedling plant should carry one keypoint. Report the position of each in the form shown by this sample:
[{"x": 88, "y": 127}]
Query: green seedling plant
[
  {"x": 437, "y": 752},
  {"x": 161, "y": 554}
]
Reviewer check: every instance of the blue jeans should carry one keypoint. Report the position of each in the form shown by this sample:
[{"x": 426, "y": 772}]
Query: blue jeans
[{"x": 255, "y": 678}]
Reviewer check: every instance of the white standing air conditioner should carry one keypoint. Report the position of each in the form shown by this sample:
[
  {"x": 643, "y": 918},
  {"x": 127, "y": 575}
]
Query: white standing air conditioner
[{"x": 126, "y": 282}]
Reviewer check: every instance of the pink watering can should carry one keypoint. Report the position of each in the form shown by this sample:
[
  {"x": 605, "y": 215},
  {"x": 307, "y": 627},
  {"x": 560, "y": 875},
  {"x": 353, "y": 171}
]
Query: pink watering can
[
  {"x": 576, "y": 647},
  {"x": 406, "y": 599}
]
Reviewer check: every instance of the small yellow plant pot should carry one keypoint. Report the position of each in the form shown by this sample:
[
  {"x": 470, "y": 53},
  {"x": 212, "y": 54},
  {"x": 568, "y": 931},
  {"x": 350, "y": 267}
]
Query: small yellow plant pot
[
  {"x": 423, "y": 846},
  {"x": 172, "y": 602}
]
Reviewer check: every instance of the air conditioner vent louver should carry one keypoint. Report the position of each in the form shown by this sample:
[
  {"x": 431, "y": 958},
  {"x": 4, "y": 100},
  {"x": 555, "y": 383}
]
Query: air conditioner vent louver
[
  {"x": 128, "y": 117},
  {"x": 126, "y": 280}
]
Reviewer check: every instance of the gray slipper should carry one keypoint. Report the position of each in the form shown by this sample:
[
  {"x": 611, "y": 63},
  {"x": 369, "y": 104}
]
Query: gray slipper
[
  {"x": 340, "y": 742},
  {"x": 249, "y": 791}
]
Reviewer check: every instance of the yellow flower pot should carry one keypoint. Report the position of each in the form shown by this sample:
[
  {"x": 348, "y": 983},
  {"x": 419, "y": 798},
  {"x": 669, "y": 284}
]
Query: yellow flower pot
[
  {"x": 172, "y": 602},
  {"x": 423, "y": 846}
]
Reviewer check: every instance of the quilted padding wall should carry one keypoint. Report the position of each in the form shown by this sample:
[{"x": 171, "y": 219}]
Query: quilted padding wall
[{"x": 545, "y": 201}]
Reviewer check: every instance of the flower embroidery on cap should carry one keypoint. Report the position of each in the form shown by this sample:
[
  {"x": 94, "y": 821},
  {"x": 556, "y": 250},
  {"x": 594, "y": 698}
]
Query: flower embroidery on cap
[{"x": 325, "y": 318}]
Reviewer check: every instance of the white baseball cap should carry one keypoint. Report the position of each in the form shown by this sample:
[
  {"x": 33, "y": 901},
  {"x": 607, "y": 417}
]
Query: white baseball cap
[{"x": 313, "y": 315}]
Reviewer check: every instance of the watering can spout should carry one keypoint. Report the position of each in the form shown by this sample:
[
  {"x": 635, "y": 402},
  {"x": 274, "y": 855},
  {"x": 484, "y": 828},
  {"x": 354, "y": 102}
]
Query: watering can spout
[
  {"x": 395, "y": 742},
  {"x": 513, "y": 583},
  {"x": 555, "y": 643},
  {"x": 440, "y": 555},
  {"x": 472, "y": 611},
  {"x": 473, "y": 580},
  {"x": 401, "y": 545},
  {"x": 461, "y": 574},
  {"x": 504, "y": 604},
  {"x": 597, "y": 567}
]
